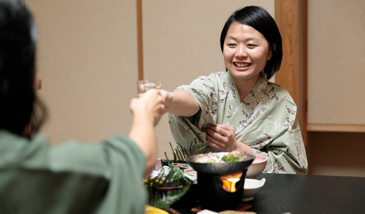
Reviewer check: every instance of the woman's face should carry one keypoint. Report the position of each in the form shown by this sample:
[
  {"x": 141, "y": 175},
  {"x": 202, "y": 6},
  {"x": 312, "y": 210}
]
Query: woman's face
[{"x": 245, "y": 52}]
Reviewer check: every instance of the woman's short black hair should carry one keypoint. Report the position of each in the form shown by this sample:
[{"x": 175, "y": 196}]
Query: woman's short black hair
[
  {"x": 19, "y": 106},
  {"x": 260, "y": 20}
]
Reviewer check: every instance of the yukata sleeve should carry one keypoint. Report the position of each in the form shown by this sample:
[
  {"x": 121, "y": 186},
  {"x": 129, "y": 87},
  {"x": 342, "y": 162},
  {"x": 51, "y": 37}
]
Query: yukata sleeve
[
  {"x": 190, "y": 131},
  {"x": 125, "y": 169},
  {"x": 118, "y": 160},
  {"x": 285, "y": 151}
]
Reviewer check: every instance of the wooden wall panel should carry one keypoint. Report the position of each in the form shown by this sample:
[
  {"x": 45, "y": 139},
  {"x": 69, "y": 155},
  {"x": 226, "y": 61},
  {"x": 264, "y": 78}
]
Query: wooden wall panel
[
  {"x": 287, "y": 20},
  {"x": 291, "y": 18},
  {"x": 336, "y": 62}
]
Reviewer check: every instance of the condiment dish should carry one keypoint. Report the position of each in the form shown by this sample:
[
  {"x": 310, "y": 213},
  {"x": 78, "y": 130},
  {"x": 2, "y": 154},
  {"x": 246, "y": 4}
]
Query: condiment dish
[{"x": 251, "y": 188}]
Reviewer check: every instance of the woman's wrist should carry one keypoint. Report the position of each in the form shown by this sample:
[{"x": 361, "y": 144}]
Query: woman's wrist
[{"x": 241, "y": 147}]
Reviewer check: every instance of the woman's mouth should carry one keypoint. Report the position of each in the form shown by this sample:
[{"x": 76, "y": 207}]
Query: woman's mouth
[{"x": 241, "y": 65}]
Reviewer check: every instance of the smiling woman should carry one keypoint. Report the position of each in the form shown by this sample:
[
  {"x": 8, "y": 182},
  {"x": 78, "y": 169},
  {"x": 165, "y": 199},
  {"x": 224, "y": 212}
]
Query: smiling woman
[{"x": 239, "y": 109}]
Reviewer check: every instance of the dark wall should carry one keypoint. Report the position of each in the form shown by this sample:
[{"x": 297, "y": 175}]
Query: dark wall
[{"x": 336, "y": 153}]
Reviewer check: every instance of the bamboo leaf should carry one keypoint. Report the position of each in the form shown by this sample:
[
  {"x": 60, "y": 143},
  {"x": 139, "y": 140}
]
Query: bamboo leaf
[
  {"x": 164, "y": 200},
  {"x": 184, "y": 151},
  {"x": 180, "y": 155},
  {"x": 173, "y": 151}
]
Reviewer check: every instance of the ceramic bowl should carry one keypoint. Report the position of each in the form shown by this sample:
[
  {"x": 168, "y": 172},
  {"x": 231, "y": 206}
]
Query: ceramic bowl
[
  {"x": 251, "y": 188},
  {"x": 258, "y": 165}
]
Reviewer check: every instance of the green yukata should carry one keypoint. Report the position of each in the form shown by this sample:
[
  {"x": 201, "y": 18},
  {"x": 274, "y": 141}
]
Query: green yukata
[
  {"x": 103, "y": 178},
  {"x": 265, "y": 120}
]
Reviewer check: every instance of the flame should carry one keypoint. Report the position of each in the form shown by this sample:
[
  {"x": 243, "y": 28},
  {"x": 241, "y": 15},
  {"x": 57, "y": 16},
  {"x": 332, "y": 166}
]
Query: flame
[{"x": 229, "y": 181}]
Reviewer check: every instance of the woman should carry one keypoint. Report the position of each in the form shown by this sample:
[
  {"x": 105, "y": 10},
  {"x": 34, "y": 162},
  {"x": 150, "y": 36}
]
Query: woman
[
  {"x": 70, "y": 178},
  {"x": 239, "y": 109}
]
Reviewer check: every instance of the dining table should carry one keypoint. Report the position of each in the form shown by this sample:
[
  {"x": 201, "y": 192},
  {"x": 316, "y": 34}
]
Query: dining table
[{"x": 297, "y": 194}]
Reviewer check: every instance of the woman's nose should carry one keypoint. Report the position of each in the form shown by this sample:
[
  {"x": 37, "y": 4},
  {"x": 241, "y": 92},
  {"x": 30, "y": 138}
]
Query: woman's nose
[{"x": 241, "y": 51}]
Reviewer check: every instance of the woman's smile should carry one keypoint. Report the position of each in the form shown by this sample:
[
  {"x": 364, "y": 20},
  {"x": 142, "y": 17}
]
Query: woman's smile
[{"x": 241, "y": 65}]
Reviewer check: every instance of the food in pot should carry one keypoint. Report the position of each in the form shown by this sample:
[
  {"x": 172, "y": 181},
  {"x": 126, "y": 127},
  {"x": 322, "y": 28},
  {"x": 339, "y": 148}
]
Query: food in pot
[{"x": 234, "y": 156}]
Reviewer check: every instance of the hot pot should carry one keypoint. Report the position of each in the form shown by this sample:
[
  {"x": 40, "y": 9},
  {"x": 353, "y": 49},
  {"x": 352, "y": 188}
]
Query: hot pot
[{"x": 211, "y": 193}]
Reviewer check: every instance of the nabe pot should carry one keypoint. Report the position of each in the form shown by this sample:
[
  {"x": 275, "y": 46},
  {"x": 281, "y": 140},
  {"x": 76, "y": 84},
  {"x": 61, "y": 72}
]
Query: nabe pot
[{"x": 210, "y": 192}]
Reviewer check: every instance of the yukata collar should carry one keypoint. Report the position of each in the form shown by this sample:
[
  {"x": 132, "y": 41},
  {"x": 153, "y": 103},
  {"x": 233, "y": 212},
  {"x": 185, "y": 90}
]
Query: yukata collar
[{"x": 258, "y": 90}]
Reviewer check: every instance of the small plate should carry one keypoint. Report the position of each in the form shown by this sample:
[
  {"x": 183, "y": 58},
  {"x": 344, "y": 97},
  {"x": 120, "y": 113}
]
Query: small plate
[
  {"x": 182, "y": 166},
  {"x": 191, "y": 174}
]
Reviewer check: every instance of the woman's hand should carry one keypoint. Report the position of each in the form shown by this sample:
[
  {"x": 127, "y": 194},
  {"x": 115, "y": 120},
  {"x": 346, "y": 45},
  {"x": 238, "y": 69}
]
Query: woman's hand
[
  {"x": 167, "y": 97},
  {"x": 221, "y": 137},
  {"x": 180, "y": 102}
]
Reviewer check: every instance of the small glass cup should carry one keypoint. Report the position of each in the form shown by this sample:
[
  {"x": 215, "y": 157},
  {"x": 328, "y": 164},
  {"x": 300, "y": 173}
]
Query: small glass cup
[{"x": 145, "y": 85}]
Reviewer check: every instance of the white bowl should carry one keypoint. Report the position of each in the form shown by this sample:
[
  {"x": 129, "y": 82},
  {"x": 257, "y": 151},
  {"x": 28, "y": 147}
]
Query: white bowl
[
  {"x": 251, "y": 188},
  {"x": 258, "y": 165}
]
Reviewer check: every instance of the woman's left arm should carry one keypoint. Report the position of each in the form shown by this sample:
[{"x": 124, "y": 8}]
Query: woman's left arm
[{"x": 285, "y": 152}]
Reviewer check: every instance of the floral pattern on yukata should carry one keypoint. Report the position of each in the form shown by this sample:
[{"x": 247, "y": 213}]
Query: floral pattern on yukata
[{"x": 265, "y": 120}]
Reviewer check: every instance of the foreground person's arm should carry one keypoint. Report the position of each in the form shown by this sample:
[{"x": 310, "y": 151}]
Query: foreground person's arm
[{"x": 147, "y": 111}]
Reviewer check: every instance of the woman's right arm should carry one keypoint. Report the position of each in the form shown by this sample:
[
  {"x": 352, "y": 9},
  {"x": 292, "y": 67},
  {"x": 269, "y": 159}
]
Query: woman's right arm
[{"x": 180, "y": 102}]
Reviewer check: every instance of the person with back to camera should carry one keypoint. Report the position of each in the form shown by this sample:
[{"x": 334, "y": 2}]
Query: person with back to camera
[
  {"x": 105, "y": 177},
  {"x": 239, "y": 109}
]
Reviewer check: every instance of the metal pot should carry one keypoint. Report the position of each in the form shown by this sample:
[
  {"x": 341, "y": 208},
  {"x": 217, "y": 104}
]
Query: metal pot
[
  {"x": 220, "y": 168},
  {"x": 210, "y": 192}
]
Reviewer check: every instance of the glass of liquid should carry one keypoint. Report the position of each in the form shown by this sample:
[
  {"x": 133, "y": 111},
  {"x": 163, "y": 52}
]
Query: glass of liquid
[{"x": 145, "y": 85}]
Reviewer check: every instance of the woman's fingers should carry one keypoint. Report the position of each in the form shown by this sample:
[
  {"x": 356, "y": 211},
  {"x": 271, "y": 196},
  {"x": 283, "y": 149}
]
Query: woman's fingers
[
  {"x": 222, "y": 137},
  {"x": 214, "y": 134},
  {"x": 215, "y": 144},
  {"x": 222, "y": 131}
]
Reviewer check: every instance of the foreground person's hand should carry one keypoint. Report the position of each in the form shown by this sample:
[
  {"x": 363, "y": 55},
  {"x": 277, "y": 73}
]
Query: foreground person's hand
[{"x": 151, "y": 104}]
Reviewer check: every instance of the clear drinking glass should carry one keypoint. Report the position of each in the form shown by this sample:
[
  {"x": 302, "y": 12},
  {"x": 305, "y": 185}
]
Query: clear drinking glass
[{"x": 144, "y": 85}]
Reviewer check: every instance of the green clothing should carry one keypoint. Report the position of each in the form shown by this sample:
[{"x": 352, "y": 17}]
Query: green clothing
[
  {"x": 265, "y": 120},
  {"x": 103, "y": 178}
]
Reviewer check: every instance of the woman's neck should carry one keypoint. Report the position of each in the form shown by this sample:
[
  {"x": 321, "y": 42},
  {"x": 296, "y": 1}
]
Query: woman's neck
[{"x": 245, "y": 86}]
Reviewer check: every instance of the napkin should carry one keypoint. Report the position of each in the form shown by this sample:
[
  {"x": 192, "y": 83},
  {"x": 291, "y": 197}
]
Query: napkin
[{"x": 165, "y": 170}]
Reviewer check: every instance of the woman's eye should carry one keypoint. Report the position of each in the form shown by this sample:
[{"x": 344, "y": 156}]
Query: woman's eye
[
  {"x": 231, "y": 45},
  {"x": 251, "y": 45}
]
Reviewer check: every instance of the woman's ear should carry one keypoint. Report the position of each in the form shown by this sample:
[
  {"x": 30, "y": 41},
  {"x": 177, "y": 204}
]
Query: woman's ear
[
  {"x": 37, "y": 82},
  {"x": 271, "y": 51}
]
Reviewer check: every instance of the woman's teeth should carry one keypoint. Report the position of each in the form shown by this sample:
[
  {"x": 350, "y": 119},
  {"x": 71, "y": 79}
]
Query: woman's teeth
[{"x": 241, "y": 65}]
